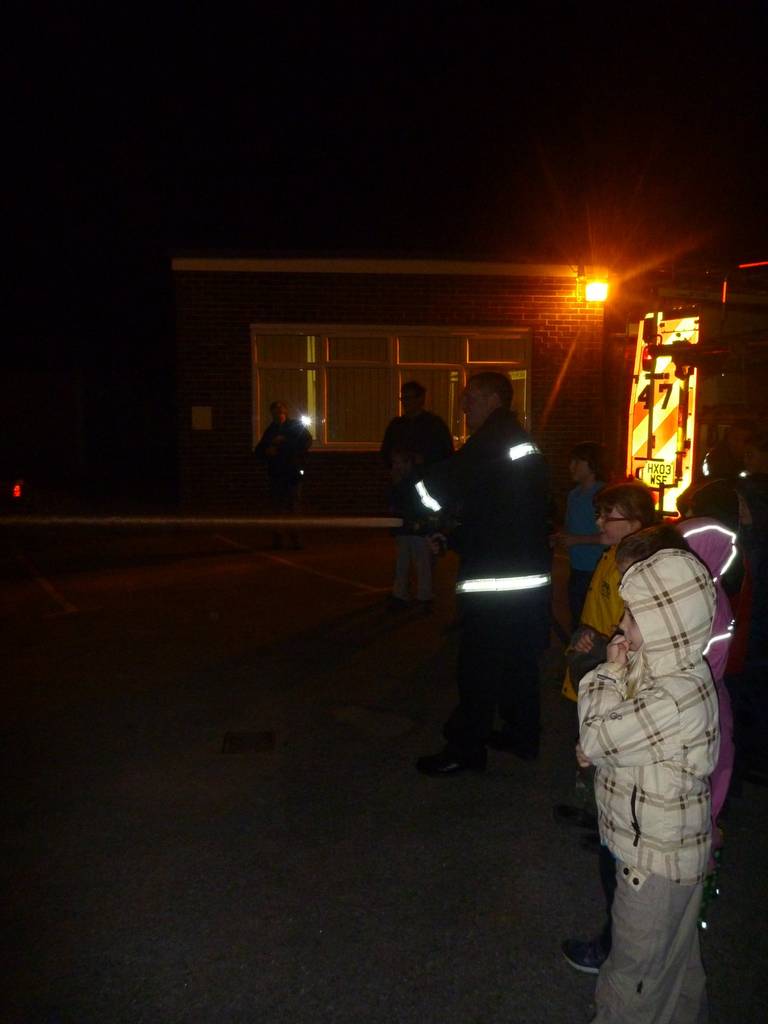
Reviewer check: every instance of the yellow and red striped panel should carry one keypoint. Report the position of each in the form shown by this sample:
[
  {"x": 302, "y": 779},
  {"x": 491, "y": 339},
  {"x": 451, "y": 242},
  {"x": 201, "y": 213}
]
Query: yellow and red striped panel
[{"x": 660, "y": 428}]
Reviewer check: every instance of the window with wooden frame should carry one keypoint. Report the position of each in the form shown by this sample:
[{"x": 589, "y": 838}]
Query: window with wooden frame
[{"x": 345, "y": 382}]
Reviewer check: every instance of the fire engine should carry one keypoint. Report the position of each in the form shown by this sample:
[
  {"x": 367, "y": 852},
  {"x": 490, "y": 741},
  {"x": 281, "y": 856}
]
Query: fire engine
[{"x": 698, "y": 364}]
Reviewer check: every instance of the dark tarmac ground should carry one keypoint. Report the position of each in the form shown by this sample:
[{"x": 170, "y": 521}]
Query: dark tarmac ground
[{"x": 211, "y": 813}]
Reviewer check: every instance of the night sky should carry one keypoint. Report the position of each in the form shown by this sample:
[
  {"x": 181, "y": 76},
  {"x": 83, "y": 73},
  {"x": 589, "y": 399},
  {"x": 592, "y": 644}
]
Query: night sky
[{"x": 634, "y": 138}]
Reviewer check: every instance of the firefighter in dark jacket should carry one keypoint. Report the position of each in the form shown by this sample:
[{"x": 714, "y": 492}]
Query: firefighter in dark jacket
[{"x": 496, "y": 489}]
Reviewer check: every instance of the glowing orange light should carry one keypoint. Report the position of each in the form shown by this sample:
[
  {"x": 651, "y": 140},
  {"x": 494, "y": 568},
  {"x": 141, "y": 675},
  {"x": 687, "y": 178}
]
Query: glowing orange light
[
  {"x": 746, "y": 266},
  {"x": 597, "y": 291},
  {"x": 16, "y": 491}
]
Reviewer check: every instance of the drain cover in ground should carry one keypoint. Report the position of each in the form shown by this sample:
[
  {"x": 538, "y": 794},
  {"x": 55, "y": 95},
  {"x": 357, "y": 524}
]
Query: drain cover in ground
[{"x": 248, "y": 742}]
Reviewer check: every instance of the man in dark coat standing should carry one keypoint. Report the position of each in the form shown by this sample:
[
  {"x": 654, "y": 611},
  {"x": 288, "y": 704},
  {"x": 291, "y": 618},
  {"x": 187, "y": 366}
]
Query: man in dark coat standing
[
  {"x": 417, "y": 431},
  {"x": 496, "y": 488},
  {"x": 283, "y": 446}
]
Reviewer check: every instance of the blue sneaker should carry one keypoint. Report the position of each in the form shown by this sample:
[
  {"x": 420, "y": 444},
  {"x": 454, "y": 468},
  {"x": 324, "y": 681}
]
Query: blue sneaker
[{"x": 588, "y": 957}]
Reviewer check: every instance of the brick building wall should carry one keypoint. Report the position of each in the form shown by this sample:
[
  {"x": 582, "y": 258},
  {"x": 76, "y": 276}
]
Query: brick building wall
[{"x": 217, "y": 301}]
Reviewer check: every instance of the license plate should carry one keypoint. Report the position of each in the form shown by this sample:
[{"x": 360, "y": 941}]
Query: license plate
[{"x": 655, "y": 473}]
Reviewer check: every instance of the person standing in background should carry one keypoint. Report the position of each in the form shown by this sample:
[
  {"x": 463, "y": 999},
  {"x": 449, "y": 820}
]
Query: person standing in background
[
  {"x": 413, "y": 548},
  {"x": 412, "y": 442},
  {"x": 418, "y": 431},
  {"x": 282, "y": 447},
  {"x": 580, "y": 537}
]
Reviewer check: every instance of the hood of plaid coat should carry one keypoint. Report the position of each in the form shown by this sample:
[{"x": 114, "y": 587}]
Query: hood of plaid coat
[{"x": 672, "y": 597}]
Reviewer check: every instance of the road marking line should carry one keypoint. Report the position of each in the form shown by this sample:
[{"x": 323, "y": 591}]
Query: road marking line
[
  {"x": 304, "y": 568},
  {"x": 231, "y": 543},
  {"x": 328, "y": 575},
  {"x": 47, "y": 586}
]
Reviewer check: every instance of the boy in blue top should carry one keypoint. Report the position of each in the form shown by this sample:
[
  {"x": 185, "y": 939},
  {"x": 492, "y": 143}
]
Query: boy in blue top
[{"x": 580, "y": 536}]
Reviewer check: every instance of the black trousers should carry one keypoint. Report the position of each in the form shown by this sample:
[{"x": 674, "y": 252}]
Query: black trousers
[
  {"x": 284, "y": 495},
  {"x": 501, "y": 638}
]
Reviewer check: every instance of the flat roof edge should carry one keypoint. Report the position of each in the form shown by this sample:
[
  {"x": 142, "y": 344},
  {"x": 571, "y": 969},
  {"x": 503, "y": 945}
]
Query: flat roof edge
[{"x": 370, "y": 266}]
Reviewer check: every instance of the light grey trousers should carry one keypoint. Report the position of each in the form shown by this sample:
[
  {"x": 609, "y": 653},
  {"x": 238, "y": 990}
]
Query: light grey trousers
[
  {"x": 417, "y": 550},
  {"x": 653, "y": 974}
]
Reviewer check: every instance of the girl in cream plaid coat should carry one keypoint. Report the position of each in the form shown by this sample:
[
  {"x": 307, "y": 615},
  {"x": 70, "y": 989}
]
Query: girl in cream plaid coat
[{"x": 649, "y": 723}]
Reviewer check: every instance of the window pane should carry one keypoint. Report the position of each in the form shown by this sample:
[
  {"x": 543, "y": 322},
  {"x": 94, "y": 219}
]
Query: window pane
[
  {"x": 351, "y": 397},
  {"x": 284, "y": 348},
  {"x": 497, "y": 350},
  {"x": 444, "y": 388},
  {"x": 352, "y": 350},
  {"x": 294, "y": 387},
  {"x": 359, "y": 404},
  {"x": 431, "y": 350}
]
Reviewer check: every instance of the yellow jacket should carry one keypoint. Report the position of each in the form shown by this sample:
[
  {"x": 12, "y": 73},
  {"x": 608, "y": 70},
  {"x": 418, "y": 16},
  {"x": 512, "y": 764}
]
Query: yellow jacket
[{"x": 603, "y": 608}]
